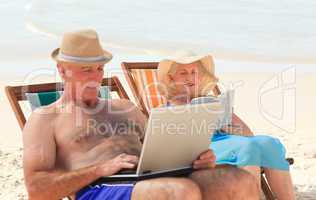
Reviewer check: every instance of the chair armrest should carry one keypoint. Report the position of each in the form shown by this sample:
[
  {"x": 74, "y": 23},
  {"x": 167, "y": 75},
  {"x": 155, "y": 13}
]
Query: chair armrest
[{"x": 290, "y": 161}]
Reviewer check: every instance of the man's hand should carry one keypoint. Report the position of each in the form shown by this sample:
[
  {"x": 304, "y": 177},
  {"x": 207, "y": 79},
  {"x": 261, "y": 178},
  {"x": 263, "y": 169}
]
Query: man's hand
[
  {"x": 122, "y": 161},
  {"x": 205, "y": 160}
]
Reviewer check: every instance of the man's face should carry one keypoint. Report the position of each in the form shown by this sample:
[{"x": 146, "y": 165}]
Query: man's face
[{"x": 86, "y": 79}]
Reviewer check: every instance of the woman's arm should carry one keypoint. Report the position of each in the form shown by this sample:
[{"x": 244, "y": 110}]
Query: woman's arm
[{"x": 238, "y": 127}]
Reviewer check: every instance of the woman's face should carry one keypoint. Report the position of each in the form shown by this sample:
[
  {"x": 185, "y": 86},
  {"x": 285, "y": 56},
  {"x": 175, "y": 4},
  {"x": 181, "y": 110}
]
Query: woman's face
[{"x": 187, "y": 79}]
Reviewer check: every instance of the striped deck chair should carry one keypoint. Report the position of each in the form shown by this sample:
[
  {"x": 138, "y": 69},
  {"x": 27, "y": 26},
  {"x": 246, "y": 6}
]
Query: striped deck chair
[
  {"x": 39, "y": 99},
  {"x": 44, "y": 94},
  {"x": 147, "y": 84},
  {"x": 142, "y": 78}
]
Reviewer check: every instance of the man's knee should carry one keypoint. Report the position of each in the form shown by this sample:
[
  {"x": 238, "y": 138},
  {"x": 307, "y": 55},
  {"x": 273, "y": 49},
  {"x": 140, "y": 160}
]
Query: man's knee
[
  {"x": 244, "y": 185},
  {"x": 221, "y": 176},
  {"x": 167, "y": 188},
  {"x": 226, "y": 182},
  {"x": 214, "y": 183},
  {"x": 248, "y": 185}
]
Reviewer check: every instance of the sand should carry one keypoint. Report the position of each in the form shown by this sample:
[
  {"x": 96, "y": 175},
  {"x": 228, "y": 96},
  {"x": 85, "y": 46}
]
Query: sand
[{"x": 299, "y": 139}]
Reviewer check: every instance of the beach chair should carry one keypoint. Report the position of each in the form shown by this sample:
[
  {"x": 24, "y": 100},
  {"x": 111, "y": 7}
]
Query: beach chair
[
  {"x": 142, "y": 79},
  {"x": 46, "y": 93},
  {"x": 50, "y": 92}
]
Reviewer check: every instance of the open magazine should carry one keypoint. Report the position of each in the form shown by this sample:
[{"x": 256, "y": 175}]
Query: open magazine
[{"x": 226, "y": 99}]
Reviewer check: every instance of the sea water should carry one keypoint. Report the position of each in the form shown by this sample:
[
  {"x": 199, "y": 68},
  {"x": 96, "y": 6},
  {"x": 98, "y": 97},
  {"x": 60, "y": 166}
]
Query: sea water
[{"x": 243, "y": 35}]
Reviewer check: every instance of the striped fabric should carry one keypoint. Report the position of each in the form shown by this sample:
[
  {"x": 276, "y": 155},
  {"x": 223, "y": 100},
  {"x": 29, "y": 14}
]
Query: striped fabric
[
  {"x": 42, "y": 99},
  {"x": 147, "y": 84},
  {"x": 45, "y": 98}
]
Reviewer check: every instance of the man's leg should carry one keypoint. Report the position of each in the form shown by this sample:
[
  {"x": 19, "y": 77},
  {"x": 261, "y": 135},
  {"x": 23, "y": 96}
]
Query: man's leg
[
  {"x": 226, "y": 183},
  {"x": 256, "y": 172},
  {"x": 167, "y": 189}
]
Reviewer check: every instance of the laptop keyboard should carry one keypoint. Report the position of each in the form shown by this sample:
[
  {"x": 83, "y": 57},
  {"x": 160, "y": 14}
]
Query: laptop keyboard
[{"x": 127, "y": 171}]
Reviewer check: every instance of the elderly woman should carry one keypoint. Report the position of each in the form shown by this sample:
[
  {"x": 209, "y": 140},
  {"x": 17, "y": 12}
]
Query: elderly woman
[{"x": 193, "y": 76}]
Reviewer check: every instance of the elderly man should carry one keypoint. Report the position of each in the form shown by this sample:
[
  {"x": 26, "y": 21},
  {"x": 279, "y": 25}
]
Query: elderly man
[{"x": 76, "y": 140}]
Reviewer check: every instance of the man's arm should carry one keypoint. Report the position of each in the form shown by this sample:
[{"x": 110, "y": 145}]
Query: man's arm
[{"x": 43, "y": 180}]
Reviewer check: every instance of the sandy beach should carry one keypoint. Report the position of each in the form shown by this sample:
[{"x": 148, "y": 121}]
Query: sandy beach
[
  {"x": 250, "y": 37},
  {"x": 299, "y": 141}
]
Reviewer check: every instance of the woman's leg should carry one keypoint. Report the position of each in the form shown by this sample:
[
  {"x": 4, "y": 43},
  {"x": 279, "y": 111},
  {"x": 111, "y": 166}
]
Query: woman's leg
[
  {"x": 273, "y": 154},
  {"x": 281, "y": 183},
  {"x": 260, "y": 151}
]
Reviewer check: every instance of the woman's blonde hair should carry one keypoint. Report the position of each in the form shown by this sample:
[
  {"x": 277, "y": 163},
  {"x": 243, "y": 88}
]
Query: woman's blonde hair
[{"x": 207, "y": 83}]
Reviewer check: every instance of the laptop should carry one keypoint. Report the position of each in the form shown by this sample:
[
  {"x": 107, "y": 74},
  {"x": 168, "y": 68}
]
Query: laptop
[
  {"x": 175, "y": 137},
  {"x": 226, "y": 99}
]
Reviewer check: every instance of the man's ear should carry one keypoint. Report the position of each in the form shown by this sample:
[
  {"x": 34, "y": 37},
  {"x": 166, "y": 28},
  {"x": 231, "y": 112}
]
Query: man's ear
[
  {"x": 61, "y": 70},
  {"x": 169, "y": 78}
]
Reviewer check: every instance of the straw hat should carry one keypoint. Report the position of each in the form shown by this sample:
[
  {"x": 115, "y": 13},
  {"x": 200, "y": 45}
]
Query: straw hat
[
  {"x": 185, "y": 57},
  {"x": 81, "y": 47}
]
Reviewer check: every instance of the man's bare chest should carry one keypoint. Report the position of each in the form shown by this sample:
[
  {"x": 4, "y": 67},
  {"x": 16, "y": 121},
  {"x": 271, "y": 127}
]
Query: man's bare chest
[{"x": 89, "y": 130}]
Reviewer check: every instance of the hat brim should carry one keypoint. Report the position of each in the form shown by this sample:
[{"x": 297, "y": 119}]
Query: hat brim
[
  {"x": 165, "y": 65},
  {"x": 188, "y": 60},
  {"x": 105, "y": 58}
]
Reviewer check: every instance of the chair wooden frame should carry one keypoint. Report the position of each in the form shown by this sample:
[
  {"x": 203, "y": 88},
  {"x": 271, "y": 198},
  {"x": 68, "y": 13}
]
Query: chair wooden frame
[
  {"x": 128, "y": 67},
  {"x": 17, "y": 93}
]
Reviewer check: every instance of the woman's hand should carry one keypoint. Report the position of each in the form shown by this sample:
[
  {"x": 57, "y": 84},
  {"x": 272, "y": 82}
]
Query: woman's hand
[{"x": 205, "y": 160}]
